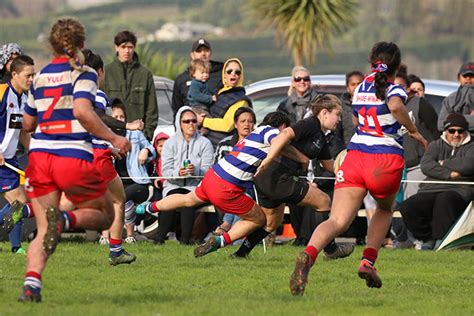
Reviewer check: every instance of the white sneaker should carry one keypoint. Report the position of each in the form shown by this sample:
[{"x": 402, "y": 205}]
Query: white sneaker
[
  {"x": 103, "y": 241},
  {"x": 130, "y": 240}
]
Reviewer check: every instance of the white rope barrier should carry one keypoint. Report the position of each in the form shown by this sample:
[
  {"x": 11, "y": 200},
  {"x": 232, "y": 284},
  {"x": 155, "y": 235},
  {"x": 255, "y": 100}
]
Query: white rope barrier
[{"x": 309, "y": 178}]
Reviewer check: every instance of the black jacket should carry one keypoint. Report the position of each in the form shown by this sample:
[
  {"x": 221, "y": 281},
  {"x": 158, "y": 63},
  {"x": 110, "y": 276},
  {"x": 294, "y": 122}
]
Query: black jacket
[{"x": 460, "y": 159}]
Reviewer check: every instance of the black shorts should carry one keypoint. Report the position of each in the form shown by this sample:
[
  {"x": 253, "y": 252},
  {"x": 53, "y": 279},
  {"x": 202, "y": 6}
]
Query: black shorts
[{"x": 278, "y": 185}]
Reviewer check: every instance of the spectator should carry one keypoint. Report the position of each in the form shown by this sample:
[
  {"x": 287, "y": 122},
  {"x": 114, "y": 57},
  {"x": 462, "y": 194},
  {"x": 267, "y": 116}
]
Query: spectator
[
  {"x": 353, "y": 79},
  {"x": 417, "y": 86},
  {"x": 199, "y": 93},
  {"x": 158, "y": 144},
  {"x": 130, "y": 81},
  {"x": 300, "y": 95},
  {"x": 201, "y": 49},
  {"x": 138, "y": 187},
  {"x": 244, "y": 122},
  {"x": 230, "y": 98},
  {"x": 296, "y": 106},
  {"x": 431, "y": 212},
  {"x": 8, "y": 53},
  {"x": 424, "y": 116},
  {"x": 461, "y": 101},
  {"x": 186, "y": 153}
]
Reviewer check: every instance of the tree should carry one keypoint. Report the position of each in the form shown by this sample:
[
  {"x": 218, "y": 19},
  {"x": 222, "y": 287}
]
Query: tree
[
  {"x": 165, "y": 65},
  {"x": 305, "y": 25}
]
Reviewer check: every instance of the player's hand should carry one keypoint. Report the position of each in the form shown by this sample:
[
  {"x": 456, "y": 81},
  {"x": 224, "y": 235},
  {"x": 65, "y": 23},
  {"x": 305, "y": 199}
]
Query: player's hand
[
  {"x": 135, "y": 125},
  {"x": 263, "y": 166},
  {"x": 142, "y": 156},
  {"x": 122, "y": 144},
  {"x": 2, "y": 159},
  {"x": 419, "y": 138},
  {"x": 305, "y": 164},
  {"x": 454, "y": 175}
]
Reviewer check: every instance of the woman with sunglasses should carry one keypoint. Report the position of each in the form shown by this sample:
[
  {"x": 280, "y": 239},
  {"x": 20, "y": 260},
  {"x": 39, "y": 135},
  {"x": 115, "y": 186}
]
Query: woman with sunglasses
[
  {"x": 430, "y": 213},
  {"x": 231, "y": 97},
  {"x": 185, "y": 154},
  {"x": 300, "y": 94}
]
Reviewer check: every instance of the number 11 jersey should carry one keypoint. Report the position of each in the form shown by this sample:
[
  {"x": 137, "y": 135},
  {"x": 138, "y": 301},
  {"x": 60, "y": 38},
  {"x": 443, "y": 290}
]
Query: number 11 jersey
[{"x": 378, "y": 131}]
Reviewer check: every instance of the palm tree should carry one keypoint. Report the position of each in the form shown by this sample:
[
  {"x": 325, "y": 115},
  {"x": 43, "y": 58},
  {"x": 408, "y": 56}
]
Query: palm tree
[{"x": 305, "y": 25}]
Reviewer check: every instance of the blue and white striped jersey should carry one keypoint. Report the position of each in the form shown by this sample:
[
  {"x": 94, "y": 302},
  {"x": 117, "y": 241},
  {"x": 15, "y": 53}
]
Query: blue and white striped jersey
[
  {"x": 378, "y": 131},
  {"x": 239, "y": 166}
]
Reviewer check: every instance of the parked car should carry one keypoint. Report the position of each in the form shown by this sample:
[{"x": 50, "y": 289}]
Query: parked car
[
  {"x": 266, "y": 95},
  {"x": 164, "y": 93}
]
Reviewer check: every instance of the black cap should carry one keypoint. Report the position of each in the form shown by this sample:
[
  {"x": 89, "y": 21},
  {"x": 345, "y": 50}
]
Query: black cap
[
  {"x": 200, "y": 42},
  {"x": 456, "y": 119},
  {"x": 467, "y": 69}
]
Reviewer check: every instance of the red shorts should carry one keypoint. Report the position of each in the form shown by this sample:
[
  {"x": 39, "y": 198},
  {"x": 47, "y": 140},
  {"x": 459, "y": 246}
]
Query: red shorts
[
  {"x": 77, "y": 178},
  {"x": 226, "y": 196},
  {"x": 104, "y": 164},
  {"x": 379, "y": 173}
]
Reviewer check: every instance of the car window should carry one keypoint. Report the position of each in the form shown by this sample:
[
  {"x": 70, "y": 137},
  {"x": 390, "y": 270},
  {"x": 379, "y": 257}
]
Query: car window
[
  {"x": 265, "y": 105},
  {"x": 163, "y": 97}
]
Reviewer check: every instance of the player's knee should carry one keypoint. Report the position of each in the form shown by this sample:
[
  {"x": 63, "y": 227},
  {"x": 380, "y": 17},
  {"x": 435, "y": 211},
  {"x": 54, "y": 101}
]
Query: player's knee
[{"x": 339, "y": 225}]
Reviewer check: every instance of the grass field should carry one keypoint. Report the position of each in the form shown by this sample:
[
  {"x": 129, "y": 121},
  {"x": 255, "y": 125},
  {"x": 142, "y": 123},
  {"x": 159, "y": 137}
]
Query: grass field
[{"x": 168, "y": 280}]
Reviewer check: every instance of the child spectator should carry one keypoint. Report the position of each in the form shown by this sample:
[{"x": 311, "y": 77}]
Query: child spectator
[
  {"x": 199, "y": 93},
  {"x": 158, "y": 145}
]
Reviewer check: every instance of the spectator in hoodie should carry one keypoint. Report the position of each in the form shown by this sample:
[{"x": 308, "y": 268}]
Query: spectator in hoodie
[
  {"x": 186, "y": 156},
  {"x": 230, "y": 98}
]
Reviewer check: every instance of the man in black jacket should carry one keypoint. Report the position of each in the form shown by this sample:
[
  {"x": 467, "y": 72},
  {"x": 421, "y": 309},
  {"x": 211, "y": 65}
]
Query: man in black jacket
[{"x": 201, "y": 49}]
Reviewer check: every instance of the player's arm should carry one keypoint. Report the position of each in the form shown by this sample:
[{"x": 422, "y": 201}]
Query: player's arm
[
  {"x": 82, "y": 110},
  {"x": 328, "y": 165},
  {"x": 29, "y": 123},
  {"x": 294, "y": 154},
  {"x": 25, "y": 138},
  {"x": 276, "y": 146},
  {"x": 400, "y": 113}
]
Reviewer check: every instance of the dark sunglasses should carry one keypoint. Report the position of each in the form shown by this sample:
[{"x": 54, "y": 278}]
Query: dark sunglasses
[
  {"x": 194, "y": 121},
  {"x": 305, "y": 79},
  {"x": 453, "y": 130},
  {"x": 236, "y": 71}
]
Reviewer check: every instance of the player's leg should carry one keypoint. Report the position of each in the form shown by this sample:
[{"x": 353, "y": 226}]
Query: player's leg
[
  {"x": 170, "y": 203},
  {"x": 376, "y": 232},
  {"x": 36, "y": 256},
  {"x": 249, "y": 221},
  {"x": 346, "y": 203},
  {"x": 320, "y": 201},
  {"x": 382, "y": 179},
  {"x": 274, "y": 217},
  {"x": 117, "y": 254}
]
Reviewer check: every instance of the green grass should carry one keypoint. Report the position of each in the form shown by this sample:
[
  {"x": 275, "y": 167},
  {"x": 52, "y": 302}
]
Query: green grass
[{"x": 168, "y": 280}]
